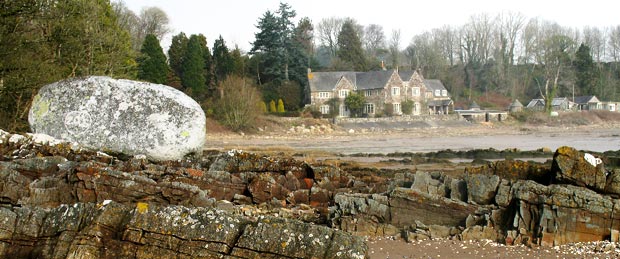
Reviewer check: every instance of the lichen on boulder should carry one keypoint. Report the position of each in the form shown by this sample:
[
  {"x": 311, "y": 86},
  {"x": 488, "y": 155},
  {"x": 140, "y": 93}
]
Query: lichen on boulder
[{"x": 120, "y": 116}]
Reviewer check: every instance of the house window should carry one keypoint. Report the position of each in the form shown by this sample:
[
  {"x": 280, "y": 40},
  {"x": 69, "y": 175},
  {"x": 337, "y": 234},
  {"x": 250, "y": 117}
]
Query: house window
[
  {"x": 416, "y": 108},
  {"x": 324, "y": 94},
  {"x": 415, "y": 91},
  {"x": 397, "y": 108},
  {"x": 437, "y": 92},
  {"x": 324, "y": 109},
  {"x": 368, "y": 93},
  {"x": 444, "y": 92},
  {"x": 369, "y": 108},
  {"x": 395, "y": 91},
  {"x": 343, "y": 93}
]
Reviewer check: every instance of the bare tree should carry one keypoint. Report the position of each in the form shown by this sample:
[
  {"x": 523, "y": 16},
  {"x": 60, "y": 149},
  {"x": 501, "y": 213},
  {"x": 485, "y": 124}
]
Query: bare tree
[
  {"x": 154, "y": 20},
  {"x": 374, "y": 39},
  {"x": 614, "y": 43},
  {"x": 447, "y": 40},
  {"x": 507, "y": 32},
  {"x": 327, "y": 32},
  {"x": 125, "y": 18},
  {"x": 595, "y": 39},
  {"x": 395, "y": 48}
]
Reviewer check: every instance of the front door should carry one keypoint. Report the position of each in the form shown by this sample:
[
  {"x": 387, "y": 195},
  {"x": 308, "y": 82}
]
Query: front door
[{"x": 344, "y": 112}]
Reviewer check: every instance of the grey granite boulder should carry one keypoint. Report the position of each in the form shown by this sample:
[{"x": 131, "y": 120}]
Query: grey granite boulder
[{"x": 120, "y": 116}]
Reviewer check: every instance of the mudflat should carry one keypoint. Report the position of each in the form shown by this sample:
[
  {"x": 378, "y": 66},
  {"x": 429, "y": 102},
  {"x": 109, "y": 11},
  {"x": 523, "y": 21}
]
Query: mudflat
[{"x": 600, "y": 138}]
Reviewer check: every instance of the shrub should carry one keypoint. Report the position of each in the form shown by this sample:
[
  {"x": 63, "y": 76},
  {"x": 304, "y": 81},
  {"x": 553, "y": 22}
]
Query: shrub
[
  {"x": 272, "y": 106},
  {"x": 263, "y": 107},
  {"x": 355, "y": 102},
  {"x": 280, "y": 106},
  {"x": 238, "y": 108},
  {"x": 388, "y": 109},
  {"x": 407, "y": 107}
]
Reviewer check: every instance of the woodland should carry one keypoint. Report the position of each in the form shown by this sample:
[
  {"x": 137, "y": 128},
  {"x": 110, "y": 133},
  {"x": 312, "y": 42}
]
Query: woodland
[{"x": 492, "y": 59}]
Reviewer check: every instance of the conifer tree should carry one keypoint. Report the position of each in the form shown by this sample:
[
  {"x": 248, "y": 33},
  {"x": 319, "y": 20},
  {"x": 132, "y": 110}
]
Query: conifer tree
[
  {"x": 585, "y": 70},
  {"x": 152, "y": 66},
  {"x": 192, "y": 75},
  {"x": 263, "y": 107},
  {"x": 222, "y": 60},
  {"x": 280, "y": 106},
  {"x": 272, "y": 106},
  {"x": 176, "y": 53},
  {"x": 350, "y": 47},
  {"x": 45, "y": 41}
]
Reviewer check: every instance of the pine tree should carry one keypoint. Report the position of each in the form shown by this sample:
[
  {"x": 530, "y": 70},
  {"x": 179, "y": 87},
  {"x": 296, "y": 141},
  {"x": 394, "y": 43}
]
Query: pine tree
[
  {"x": 192, "y": 75},
  {"x": 350, "y": 47},
  {"x": 280, "y": 106},
  {"x": 239, "y": 62},
  {"x": 152, "y": 66},
  {"x": 176, "y": 53},
  {"x": 585, "y": 70},
  {"x": 208, "y": 67},
  {"x": 268, "y": 47},
  {"x": 222, "y": 60}
]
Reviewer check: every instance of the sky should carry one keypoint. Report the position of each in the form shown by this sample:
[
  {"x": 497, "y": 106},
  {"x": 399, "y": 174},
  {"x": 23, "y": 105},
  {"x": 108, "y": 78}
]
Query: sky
[{"x": 236, "y": 20}]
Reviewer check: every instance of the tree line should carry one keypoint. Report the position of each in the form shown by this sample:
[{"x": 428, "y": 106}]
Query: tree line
[
  {"x": 45, "y": 41},
  {"x": 506, "y": 54}
]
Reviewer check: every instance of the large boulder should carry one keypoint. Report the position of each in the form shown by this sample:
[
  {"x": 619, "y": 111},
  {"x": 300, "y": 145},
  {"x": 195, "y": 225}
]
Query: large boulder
[
  {"x": 120, "y": 116},
  {"x": 578, "y": 168}
]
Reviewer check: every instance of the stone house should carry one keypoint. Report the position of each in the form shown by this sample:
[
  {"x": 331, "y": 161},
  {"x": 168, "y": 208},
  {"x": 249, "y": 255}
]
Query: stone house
[{"x": 384, "y": 91}]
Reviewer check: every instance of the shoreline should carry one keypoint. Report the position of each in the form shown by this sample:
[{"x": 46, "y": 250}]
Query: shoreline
[{"x": 597, "y": 137}]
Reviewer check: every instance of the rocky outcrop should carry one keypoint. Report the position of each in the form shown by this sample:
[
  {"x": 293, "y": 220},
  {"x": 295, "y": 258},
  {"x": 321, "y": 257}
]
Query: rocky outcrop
[
  {"x": 58, "y": 201},
  {"x": 511, "y": 202},
  {"x": 238, "y": 204},
  {"x": 145, "y": 230},
  {"x": 120, "y": 116}
]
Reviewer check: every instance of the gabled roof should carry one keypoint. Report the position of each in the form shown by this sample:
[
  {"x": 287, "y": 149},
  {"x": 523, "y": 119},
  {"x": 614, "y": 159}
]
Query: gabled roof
[
  {"x": 535, "y": 102},
  {"x": 558, "y": 101},
  {"x": 372, "y": 79},
  {"x": 326, "y": 81},
  {"x": 516, "y": 103},
  {"x": 434, "y": 84},
  {"x": 541, "y": 102},
  {"x": 405, "y": 75},
  {"x": 586, "y": 99}
]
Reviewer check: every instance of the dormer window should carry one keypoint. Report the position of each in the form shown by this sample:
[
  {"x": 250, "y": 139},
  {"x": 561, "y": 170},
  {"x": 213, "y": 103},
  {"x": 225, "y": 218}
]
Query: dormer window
[
  {"x": 444, "y": 92},
  {"x": 437, "y": 92}
]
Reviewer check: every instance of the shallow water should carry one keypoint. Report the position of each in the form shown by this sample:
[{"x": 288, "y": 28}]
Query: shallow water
[{"x": 599, "y": 140}]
